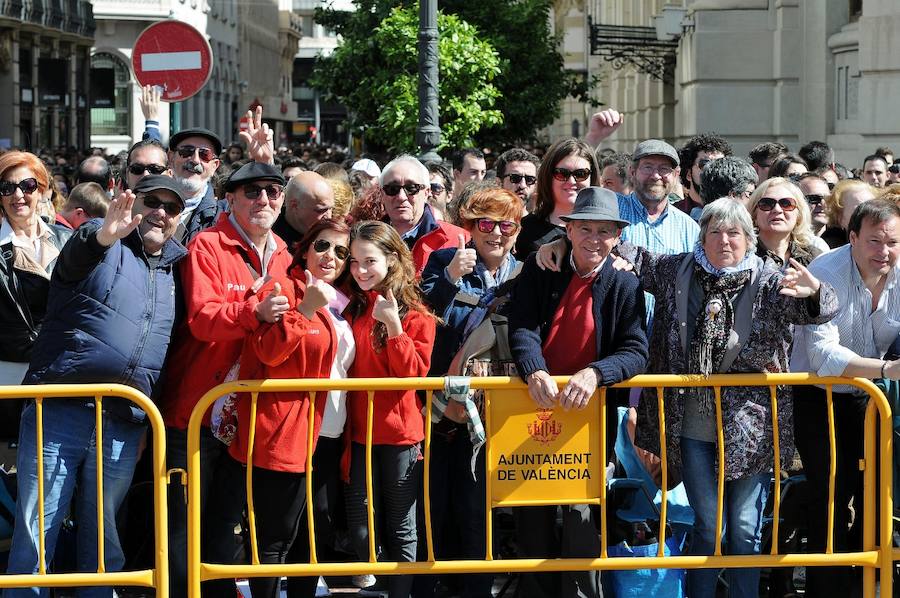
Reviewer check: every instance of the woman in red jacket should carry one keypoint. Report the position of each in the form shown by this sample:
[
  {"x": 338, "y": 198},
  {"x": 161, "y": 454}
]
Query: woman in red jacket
[
  {"x": 394, "y": 335},
  {"x": 311, "y": 340}
]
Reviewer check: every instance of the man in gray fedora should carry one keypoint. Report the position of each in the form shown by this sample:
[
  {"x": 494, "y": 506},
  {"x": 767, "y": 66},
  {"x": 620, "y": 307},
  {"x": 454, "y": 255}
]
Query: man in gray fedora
[{"x": 585, "y": 321}]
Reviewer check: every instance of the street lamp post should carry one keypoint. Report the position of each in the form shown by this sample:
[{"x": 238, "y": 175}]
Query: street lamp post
[{"x": 428, "y": 133}]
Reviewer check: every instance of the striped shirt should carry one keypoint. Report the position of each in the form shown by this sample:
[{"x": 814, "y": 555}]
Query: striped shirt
[
  {"x": 856, "y": 330},
  {"x": 672, "y": 232}
]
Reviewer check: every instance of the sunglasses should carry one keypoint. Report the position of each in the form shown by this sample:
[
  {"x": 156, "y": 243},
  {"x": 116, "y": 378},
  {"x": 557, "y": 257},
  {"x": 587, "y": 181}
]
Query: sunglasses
[
  {"x": 154, "y": 203},
  {"x": 139, "y": 169},
  {"x": 340, "y": 251},
  {"x": 393, "y": 189},
  {"x": 563, "y": 174},
  {"x": 187, "y": 151},
  {"x": 436, "y": 188},
  {"x": 254, "y": 191},
  {"x": 767, "y": 204},
  {"x": 29, "y": 185},
  {"x": 702, "y": 162},
  {"x": 814, "y": 199},
  {"x": 515, "y": 179},
  {"x": 894, "y": 169},
  {"x": 507, "y": 227}
]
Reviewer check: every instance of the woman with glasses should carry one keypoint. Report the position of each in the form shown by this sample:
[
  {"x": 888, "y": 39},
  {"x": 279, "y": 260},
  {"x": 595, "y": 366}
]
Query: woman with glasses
[
  {"x": 311, "y": 340},
  {"x": 453, "y": 282},
  {"x": 28, "y": 251},
  {"x": 782, "y": 218},
  {"x": 568, "y": 166}
]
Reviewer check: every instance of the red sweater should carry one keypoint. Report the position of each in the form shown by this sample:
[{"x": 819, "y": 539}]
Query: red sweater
[
  {"x": 219, "y": 307},
  {"x": 397, "y": 416},
  {"x": 292, "y": 348},
  {"x": 571, "y": 341}
]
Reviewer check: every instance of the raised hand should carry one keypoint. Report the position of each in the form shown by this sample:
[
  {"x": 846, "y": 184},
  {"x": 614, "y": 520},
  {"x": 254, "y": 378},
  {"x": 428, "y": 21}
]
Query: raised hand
[
  {"x": 150, "y": 95},
  {"x": 273, "y": 306},
  {"x": 119, "y": 221},
  {"x": 463, "y": 261},
  {"x": 798, "y": 281},
  {"x": 259, "y": 138},
  {"x": 318, "y": 294},
  {"x": 386, "y": 310},
  {"x": 602, "y": 125}
]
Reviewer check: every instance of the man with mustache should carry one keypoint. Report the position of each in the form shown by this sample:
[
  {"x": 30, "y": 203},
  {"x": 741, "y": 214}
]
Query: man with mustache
[{"x": 194, "y": 158}]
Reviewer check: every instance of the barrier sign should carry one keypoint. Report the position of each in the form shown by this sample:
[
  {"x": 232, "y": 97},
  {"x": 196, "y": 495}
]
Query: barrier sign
[{"x": 542, "y": 454}]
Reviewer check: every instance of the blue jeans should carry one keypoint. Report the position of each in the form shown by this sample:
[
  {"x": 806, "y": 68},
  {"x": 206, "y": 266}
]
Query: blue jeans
[
  {"x": 70, "y": 469},
  {"x": 741, "y": 521}
]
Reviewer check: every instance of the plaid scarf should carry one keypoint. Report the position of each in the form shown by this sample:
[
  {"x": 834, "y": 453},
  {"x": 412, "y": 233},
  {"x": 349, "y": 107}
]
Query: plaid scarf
[{"x": 713, "y": 326}]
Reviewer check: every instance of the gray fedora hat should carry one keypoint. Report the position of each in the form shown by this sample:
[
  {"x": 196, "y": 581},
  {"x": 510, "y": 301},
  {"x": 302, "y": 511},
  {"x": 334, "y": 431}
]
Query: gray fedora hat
[{"x": 596, "y": 203}]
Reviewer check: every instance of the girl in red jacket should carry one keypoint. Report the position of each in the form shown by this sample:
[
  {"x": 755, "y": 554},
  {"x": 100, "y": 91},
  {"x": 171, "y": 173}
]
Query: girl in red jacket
[
  {"x": 312, "y": 340},
  {"x": 394, "y": 335}
]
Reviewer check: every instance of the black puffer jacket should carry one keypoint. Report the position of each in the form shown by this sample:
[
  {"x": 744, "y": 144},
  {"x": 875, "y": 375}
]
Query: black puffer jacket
[{"x": 23, "y": 300}]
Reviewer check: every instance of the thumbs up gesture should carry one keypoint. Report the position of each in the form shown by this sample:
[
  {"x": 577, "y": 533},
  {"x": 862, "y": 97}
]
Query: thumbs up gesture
[
  {"x": 386, "y": 310},
  {"x": 463, "y": 261},
  {"x": 318, "y": 294},
  {"x": 273, "y": 306}
]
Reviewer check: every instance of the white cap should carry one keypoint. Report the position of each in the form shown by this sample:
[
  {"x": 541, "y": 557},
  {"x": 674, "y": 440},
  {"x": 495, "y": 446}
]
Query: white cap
[{"x": 367, "y": 166}]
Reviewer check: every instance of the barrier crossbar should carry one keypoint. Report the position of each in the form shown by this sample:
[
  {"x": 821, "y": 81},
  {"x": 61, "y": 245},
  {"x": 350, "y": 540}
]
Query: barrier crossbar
[
  {"x": 158, "y": 577},
  {"x": 876, "y": 554}
]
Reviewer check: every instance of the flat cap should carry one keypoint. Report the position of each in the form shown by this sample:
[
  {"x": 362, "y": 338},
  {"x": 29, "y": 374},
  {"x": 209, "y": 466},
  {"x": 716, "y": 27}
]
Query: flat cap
[
  {"x": 655, "y": 147},
  {"x": 155, "y": 182},
  {"x": 597, "y": 204},
  {"x": 253, "y": 171},
  {"x": 180, "y": 136}
]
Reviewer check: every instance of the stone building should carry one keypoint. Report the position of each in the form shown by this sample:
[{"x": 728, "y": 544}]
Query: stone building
[{"x": 44, "y": 85}]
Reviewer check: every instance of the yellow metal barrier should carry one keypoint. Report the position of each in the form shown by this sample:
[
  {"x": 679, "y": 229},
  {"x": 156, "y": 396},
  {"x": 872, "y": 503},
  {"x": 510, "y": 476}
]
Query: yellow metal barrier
[
  {"x": 875, "y": 555},
  {"x": 158, "y": 577}
]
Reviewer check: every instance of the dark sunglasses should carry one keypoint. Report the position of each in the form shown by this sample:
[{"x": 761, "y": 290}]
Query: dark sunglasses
[
  {"x": 393, "y": 189},
  {"x": 814, "y": 199},
  {"x": 155, "y": 203},
  {"x": 830, "y": 186},
  {"x": 515, "y": 179},
  {"x": 436, "y": 188},
  {"x": 186, "y": 151},
  {"x": 767, "y": 204},
  {"x": 321, "y": 246},
  {"x": 7, "y": 188},
  {"x": 894, "y": 168},
  {"x": 507, "y": 227},
  {"x": 254, "y": 191},
  {"x": 563, "y": 174},
  {"x": 139, "y": 169}
]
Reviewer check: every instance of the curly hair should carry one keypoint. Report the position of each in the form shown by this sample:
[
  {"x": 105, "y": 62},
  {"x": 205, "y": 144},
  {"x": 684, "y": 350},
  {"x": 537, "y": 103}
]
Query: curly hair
[
  {"x": 704, "y": 142},
  {"x": 368, "y": 207}
]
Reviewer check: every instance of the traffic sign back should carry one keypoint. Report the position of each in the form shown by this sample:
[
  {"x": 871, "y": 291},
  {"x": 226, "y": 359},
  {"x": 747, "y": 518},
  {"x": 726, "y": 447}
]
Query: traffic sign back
[{"x": 173, "y": 56}]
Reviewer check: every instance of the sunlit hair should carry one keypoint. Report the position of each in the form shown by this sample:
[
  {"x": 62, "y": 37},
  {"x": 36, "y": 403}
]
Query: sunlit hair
[
  {"x": 499, "y": 204},
  {"x": 400, "y": 277},
  {"x": 368, "y": 207},
  {"x": 727, "y": 212},
  {"x": 343, "y": 198},
  {"x": 559, "y": 151},
  {"x": 422, "y": 174},
  {"x": 326, "y": 224},
  {"x": 802, "y": 233},
  {"x": 12, "y": 160},
  {"x": 834, "y": 203},
  {"x": 891, "y": 193}
]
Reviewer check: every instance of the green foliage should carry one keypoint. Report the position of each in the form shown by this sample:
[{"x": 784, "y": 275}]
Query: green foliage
[{"x": 386, "y": 98}]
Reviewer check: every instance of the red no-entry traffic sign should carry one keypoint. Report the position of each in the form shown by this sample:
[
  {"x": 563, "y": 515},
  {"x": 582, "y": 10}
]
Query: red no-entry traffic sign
[{"x": 174, "y": 56}]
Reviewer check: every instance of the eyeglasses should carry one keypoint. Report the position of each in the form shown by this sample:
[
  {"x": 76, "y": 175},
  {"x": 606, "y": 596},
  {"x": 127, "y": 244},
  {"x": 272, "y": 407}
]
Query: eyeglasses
[
  {"x": 340, "y": 251},
  {"x": 29, "y": 185},
  {"x": 393, "y": 189},
  {"x": 187, "y": 151},
  {"x": 155, "y": 203},
  {"x": 702, "y": 162},
  {"x": 649, "y": 169},
  {"x": 272, "y": 191},
  {"x": 139, "y": 169},
  {"x": 563, "y": 174},
  {"x": 436, "y": 188},
  {"x": 814, "y": 199},
  {"x": 515, "y": 178},
  {"x": 507, "y": 227},
  {"x": 767, "y": 204}
]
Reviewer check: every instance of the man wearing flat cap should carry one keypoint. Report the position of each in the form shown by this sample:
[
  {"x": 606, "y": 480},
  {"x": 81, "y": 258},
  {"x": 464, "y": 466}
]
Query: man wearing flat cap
[
  {"x": 226, "y": 265},
  {"x": 194, "y": 158},
  {"x": 586, "y": 321},
  {"x": 110, "y": 314}
]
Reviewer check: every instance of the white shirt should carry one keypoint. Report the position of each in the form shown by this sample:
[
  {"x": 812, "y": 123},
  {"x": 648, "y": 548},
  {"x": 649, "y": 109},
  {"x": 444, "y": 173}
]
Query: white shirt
[
  {"x": 265, "y": 258},
  {"x": 7, "y": 235},
  {"x": 856, "y": 330},
  {"x": 335, "y": 415}
]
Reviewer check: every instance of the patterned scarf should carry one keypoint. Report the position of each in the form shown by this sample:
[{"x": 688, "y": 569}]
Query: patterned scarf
[{"x": 713, "y": 326}]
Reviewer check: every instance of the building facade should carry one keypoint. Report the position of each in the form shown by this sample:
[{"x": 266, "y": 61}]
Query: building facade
[{"x": 44, "y": 83}]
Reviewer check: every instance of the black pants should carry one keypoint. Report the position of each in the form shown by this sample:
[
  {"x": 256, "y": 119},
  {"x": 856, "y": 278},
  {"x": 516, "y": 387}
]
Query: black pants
[{"x": 811, "y": 437}]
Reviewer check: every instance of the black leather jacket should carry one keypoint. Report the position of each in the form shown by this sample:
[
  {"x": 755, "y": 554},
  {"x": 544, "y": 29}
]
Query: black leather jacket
[{"x": 23, "y": 300}]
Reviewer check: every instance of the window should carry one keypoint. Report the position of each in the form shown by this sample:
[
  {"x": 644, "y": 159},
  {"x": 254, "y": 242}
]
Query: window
[{"x": 112, "y": 118}]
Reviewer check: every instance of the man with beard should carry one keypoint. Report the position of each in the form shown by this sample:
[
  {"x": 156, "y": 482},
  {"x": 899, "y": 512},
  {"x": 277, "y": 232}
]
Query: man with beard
[
  {"x": 194, "y": 158},
  {"x": 699, "y": 151},
  {"x": 517, "y": 172}
]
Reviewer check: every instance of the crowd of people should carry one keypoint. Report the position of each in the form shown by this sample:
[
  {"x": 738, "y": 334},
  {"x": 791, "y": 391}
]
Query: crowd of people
[{"x": 202, "y": 263}]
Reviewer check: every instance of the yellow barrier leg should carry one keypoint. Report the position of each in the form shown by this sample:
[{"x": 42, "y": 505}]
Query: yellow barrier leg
[
  {"x": 310, "y": 511},
  {"x": 101, "y": 531},
  {"x": 868, "y": 511},
  {"x": 42, "y": 540}
]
